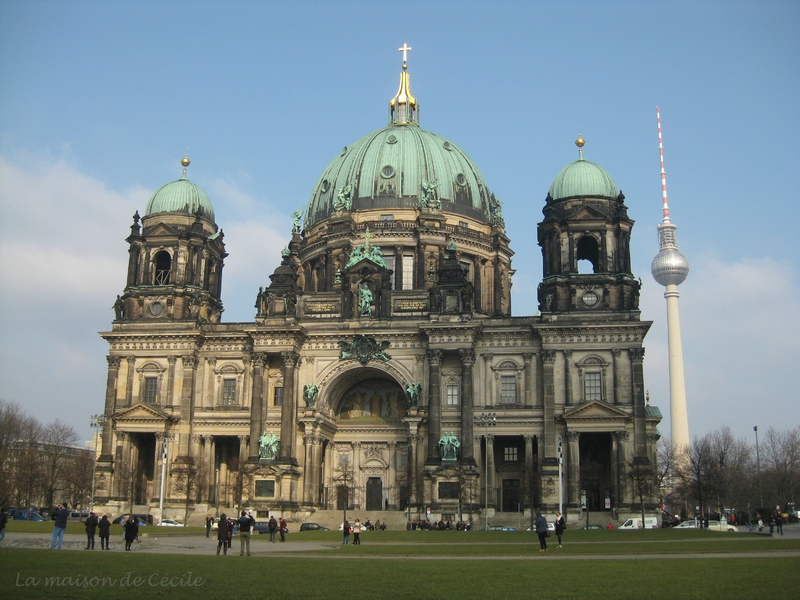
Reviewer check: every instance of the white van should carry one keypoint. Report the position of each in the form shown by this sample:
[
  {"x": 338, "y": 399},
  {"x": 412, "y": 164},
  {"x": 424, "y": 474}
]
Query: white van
[{"x": 649, "y": 523}]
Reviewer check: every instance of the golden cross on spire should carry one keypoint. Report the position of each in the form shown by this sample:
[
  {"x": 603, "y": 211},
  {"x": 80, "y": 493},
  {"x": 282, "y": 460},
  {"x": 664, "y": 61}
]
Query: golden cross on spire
[
  {"x": 366, "y": 238},
  {"x": 404, "y": 50}
]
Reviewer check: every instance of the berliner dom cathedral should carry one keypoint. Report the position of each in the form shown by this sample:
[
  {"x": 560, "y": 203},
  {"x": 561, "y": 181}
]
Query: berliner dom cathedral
[{"x": 383, "y": 370}]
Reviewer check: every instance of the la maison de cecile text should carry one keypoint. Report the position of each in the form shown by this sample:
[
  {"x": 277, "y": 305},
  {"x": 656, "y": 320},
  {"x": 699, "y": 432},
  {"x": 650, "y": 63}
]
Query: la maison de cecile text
[{"x": 85, "y": 581}]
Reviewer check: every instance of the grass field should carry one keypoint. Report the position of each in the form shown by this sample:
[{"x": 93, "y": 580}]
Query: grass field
[{"x": 436, "y": 565}]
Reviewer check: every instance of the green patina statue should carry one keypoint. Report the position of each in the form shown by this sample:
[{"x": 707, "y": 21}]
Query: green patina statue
[{"x": 268, "y": 446}]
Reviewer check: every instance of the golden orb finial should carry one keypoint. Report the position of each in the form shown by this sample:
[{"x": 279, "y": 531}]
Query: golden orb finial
[
  {"x": 580, "y": 141},
  {"x": 185, "y": 160}
]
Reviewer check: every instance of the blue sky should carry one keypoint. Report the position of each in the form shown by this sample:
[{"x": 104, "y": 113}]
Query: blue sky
[{"x": 100, "y": 100}]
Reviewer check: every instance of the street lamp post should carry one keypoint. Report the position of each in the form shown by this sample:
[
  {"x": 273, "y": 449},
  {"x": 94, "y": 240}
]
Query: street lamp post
[
  {"x": 758, "y": 462},
  {"x": 95, "y": 422},
  {"x": 486, "y": 420}
]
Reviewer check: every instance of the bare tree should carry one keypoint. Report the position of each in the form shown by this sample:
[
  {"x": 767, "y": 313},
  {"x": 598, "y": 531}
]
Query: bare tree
[
  {"x": 242, "y": 484},
  {"x": 344, "y": 478},
  {"x": 125, "y": 478},
  {"x": 28, "y": 473},
  {"x": 643, "y": 483},
  {"x": 780, "y": 456},
  {"x": 11, "y": 421},
  {"x": 79, "y": 474},
  {"x": 531, "y": 486},
  {"x": 190, "y": 479},
  {"x": 56, "y": 438}
]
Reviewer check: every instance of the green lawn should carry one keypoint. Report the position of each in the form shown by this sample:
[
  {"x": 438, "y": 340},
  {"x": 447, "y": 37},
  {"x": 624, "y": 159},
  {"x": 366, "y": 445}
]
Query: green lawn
[{"x": 30, "y": 573}]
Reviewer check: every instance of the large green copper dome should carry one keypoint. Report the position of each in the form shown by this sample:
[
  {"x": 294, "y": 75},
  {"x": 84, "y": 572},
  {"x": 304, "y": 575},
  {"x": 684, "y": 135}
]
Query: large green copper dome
[
  {"x": 181, "y": 196},
  {"x": 386, "y": 169},
  {"x": 583, "y": 178}
]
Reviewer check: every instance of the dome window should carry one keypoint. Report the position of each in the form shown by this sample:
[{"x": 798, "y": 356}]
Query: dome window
[
  {"x": 588, "y": 251},
  {"x": 163, "y": 267},
  {"x": 447, "y": 145},
  {"x": 326, "y": 185},
  {"x": 461, "y": 180},
  {"x": 387, "y": 172},
  {"x": 391, "y": 139}
]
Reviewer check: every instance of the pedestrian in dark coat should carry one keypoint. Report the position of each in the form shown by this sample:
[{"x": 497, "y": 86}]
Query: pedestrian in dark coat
[
  {"x": 104, "y": 527},
  {"x": 222, "y": 534},
  {"x": 541, "y": 531},
  {"x": 273, "y": 527},
  {"x": 131, "y": 532},
  {"x": 91, "y": 528},
  {"x": 560, "y": 526}
]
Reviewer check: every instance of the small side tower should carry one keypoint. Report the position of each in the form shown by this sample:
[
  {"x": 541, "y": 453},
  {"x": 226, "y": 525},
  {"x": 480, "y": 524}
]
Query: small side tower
[
  {"x": 176, "y": 258},
  {"x": 585, "y": 241}
]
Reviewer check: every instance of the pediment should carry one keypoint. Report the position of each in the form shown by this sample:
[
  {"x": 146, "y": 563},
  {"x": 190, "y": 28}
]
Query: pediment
[
  {"x": 162, "y": 229},
  {"x": 365, "y": 265},
  {"x": 142, "y": 413},
  {"x": 588, "y": 213},
  {"x": 596, "y": 411}
]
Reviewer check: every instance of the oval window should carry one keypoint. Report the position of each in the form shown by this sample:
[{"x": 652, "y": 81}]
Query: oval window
[{"x": 387, "y": 172}]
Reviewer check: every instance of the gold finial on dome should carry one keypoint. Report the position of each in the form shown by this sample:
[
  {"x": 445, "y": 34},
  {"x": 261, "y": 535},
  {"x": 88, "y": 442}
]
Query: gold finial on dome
[
  {"x": 185, "y": 162},
  {"x": 403, "y": 108},
  {"x": 579, "y": 143}
]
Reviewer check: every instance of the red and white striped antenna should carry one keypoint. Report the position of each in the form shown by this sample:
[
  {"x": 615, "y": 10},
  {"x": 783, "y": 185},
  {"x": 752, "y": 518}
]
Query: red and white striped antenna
[{"x": 663, "y": 173}]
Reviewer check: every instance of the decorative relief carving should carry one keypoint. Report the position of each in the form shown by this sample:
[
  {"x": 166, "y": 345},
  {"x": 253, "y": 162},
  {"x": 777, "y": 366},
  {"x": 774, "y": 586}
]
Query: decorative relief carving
[{"x": 364, "y": 349}]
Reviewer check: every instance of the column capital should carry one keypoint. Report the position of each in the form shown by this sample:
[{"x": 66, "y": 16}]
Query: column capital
[
  {"x": 172, "y": 360},
  {"x": 467, "y": 356},
  {"x": 567, "y": 354},
  {"x": 616, "y": 352},
  {"x": 290, "y": 359},
  {"x": 572, "y": 436},
  {"x": 620, "y": 436},
  {"x": 434, "y": 357},
  {"x": 113, "y": 361},
  {"x": 527, "y": 356},
  {"x": 636, "y": 354},
  {"x": 189, "y": 361},
  {"x": 259, "y": 359},
  {"x": 489, "y": 438},
  {"x": 131, "y": 360},
  {"x": 529, "y": 438},
  {"x": 548, "y": 357}
]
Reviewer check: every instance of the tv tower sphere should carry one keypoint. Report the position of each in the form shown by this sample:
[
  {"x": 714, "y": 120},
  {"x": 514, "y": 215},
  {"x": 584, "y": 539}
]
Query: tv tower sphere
[{"x": 670, "y": 267}]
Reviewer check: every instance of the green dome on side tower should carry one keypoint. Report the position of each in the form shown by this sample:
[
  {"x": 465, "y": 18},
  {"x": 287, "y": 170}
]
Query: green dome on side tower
[
  {"x": 583, "y": 179},
  {"x": 181, "y": 196}
]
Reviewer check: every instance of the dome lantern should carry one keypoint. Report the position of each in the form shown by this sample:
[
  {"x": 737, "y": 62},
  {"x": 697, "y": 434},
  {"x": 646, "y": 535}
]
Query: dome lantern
[{"x": 403, "y": 109}]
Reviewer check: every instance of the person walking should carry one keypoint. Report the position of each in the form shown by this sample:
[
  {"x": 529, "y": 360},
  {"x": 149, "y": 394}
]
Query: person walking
[
  {"x": 209, "y": 522},
  {"x": 541, "y": 531},
  {"x": 273, "y": 527},
  {"x": 60, "y": 516},
  {"x": 560, "y": 526},
  {"x": 91, "y": 528},
  {"x": 131, "y": 532},
  {"x": 778, "y": 520},
  {"x": 345, "y": 533},
  {"x": 222, "y": 534},
  {"x": 284, "y": 528},
  {"x": 104, "y": 527},
  {"x": 245, "y": 523},
  {"x": 357, "y": 533}
]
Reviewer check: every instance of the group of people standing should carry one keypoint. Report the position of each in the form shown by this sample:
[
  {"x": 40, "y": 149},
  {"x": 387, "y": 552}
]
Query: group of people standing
[
  {"x": 540, "y": 525},
  {"x": 244, "y": 524}
]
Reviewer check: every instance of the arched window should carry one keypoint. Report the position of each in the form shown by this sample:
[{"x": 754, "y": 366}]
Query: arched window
[
  {"x": 163, "y": 263},
  {"x": 588, "y": 255}
]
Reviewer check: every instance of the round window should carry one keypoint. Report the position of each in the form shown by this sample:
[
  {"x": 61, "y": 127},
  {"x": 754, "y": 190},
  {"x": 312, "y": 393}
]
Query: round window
[
  {"x": 156, "y": 308},
  {"x": 391, "y": 139},
  {"x": 326, "y": 185},
  {"x": 589, "y": 298},
  {"x": 447, "y": 146},
  {"x": 387, "y": 172},
  {"x": 461, "y": 180}
]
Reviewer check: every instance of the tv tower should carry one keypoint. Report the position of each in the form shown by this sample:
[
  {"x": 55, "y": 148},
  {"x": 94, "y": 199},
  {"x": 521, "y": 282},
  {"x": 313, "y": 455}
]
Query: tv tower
[{"x": 670, "y": 269}]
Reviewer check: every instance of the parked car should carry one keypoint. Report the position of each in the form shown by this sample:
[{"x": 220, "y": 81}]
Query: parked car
[
  {"x": 712, "y": 526},
  {"x": 592, "y": 527},
  {"x": 24, "y": 515},
  {"x": 501, "y": 528},
  {"x": 121, "y": 519},
  {"x": 636, "y": 523},
  {"x": 312, "y": 527},
  {"x": 261, "y": 527},
  {"x": 550, "y": 527},
  {"x": 170, "y": 523}
]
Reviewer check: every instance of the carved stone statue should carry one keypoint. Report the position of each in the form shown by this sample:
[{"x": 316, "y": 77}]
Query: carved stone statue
[
  {"x": 413, "y": 390},
  {"x": 429, "y": 197},
  {"x": 496, "y": 212},
  {"x": 260, "y": 301},
  {"x": 310, "y": 392},
  {"x": 344, "y": 200},
  {"x": 268, "y": 446},
  {"x": 119, "y": 308},
  {"x": 365, "y": 301}
]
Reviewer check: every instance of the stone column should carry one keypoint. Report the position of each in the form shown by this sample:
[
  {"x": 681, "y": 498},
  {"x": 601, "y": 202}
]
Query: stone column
[
  {"x": 488, "y": 380},
  {"x": 616, "y": 352},
  {"x": 123, "y": 439},
  {"x": 243, "y": 439},
  {"x": 549, "y": 358},
  {"x": 529, "y": 450},
  {"x": 614, "y": 469},
  {"x": 477, "y": 301},
  {"x": 568, "y": 377},
  {"x": 208, "y": 466},
  {"x": 639, "y": 433},
  {"x": 157, "y": 465},
  {"x": 357, "y": 474},
  {"x": 131, "y": 360},
  {"x": 288, "y": 411},
  {"x": 110, "y": 407},
  {"x": 497, "y": 301},
  {"x": 256, "y": 409},
  {"x": 467, "y": 405},
  {"x": 491, "y": 469},
  {"x": 209, "y": 395},
  {"x": 527, "y": 401},
  {"x": 171, "y": 360},
  {"x": 307, "y": 442},
  {"x": 316, "y": 469},
  {"x": 187, "y": 395},
  {"x": 574, "y": 467},
  {"x": 392, "y": 475},
  {"x": 247, "y": 392},
  {"x": 434, "y": 406},
  {"x": 621, "y": 457},
  {"x": 398, "y": 267}
]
